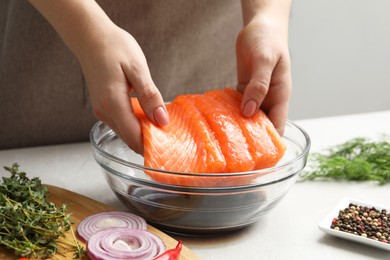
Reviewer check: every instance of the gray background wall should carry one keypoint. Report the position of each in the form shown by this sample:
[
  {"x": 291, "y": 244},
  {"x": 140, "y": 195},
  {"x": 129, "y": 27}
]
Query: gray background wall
[{"x": 340, "y": 53}]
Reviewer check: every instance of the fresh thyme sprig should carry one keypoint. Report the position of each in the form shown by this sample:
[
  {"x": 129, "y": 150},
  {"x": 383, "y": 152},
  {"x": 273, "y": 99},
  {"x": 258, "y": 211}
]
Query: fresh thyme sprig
[
  {"x": 30, "y": 225},
  {"x": 358, "y": 159}
]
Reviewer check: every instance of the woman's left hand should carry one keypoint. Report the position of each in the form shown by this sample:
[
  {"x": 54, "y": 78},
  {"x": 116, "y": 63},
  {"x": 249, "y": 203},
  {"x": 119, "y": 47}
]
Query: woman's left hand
[{"x": 263, "y": 66}]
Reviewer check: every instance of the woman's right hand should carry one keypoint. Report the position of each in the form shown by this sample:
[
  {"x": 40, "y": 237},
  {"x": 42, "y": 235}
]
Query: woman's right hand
[
  {"x": 113, "y": 65},
  {"x": 113, "y": 68}
]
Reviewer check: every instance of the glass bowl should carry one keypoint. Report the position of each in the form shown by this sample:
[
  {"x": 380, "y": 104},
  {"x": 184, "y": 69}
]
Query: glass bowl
[{"x": 200, "y": 210}]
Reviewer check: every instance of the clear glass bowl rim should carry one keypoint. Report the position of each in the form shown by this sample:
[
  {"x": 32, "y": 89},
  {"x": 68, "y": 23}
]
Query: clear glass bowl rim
[{"x": 301, "y": 156}]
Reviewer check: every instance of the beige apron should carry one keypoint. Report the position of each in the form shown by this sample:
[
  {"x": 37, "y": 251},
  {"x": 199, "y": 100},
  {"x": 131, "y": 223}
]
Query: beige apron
[{"x": 189, "y": 46}]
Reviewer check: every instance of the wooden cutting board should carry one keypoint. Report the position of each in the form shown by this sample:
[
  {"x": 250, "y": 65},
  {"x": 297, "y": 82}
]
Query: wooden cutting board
[{"x": 81, "y": 207}]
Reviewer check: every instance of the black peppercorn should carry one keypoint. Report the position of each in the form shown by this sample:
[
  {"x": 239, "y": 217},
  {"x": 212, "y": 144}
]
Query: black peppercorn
[{"x": 363, "y": 221}]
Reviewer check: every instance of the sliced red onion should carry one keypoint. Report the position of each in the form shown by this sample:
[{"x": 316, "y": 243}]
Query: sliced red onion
[
  {"x": 124, "y": 243},
  {"x": 109, "y": 219}
]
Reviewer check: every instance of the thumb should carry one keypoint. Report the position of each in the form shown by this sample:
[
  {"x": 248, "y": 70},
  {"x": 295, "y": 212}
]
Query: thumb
[
  {"x": 256, "y": 89},
  {"x": 148, "y": 94}
]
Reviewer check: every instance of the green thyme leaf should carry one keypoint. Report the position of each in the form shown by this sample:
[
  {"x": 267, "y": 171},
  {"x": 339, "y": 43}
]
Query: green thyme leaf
[
  {"x": 30, "y": 225},
  {"x": 358, "y": 159}
]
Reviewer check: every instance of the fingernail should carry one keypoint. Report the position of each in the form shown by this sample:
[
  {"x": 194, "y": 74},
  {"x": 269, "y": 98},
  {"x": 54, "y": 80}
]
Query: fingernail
[
  {"x": 249, "y": 108},
  {"x": 161, "y": 116}
]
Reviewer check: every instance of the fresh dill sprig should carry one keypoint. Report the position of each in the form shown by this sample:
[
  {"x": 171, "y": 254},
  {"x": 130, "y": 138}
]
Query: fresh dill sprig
[
  {"x": 358, "y": 159},
  {"x": 30, "y": 225}
]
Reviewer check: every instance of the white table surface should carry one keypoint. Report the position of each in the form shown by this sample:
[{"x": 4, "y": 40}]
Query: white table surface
[{"x": 289, "y": 231}]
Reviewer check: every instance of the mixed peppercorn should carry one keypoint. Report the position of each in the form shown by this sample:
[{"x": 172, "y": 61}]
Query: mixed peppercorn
[{"x": 364, "y": 221}]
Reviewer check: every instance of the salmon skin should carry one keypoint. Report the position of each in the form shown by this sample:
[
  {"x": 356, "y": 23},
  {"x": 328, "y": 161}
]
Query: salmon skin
[{"x": 208, "y": 134}]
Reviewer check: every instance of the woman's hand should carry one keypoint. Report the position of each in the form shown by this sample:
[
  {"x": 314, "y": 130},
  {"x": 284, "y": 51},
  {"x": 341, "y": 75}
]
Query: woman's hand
[
  {"x": 112, "y": 70},
  {"x": 263, "y": 60},
  {"x": 113, "y": 65}
]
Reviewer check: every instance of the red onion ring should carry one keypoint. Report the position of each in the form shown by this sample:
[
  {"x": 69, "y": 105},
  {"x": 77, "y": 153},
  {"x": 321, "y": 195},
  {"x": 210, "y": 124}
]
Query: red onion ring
[
  {"x": 124, "y": 243},
  {"x": 109, "y": 219}
]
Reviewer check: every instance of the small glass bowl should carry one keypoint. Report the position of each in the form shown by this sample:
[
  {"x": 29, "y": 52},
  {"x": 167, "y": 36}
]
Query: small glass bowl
[{"x": 197, "y": 210}]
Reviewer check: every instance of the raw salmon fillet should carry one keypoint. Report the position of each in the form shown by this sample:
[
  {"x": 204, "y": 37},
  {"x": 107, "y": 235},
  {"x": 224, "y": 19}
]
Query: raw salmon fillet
[{"x": 208, "y": 134}]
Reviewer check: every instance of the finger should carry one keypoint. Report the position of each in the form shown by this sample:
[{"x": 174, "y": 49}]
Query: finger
[
  {"x": 100, "y": 115},
  {"x": 109, "y": 122},
  {"x": 147, "y": 93},
  {"x": 113, "y": 126},
  {"x": 276, "y": 103},
  {"x": 278, "y": 116},
  {"x": 126, "y": 123},
  {"x": 255, "y": 91}
]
